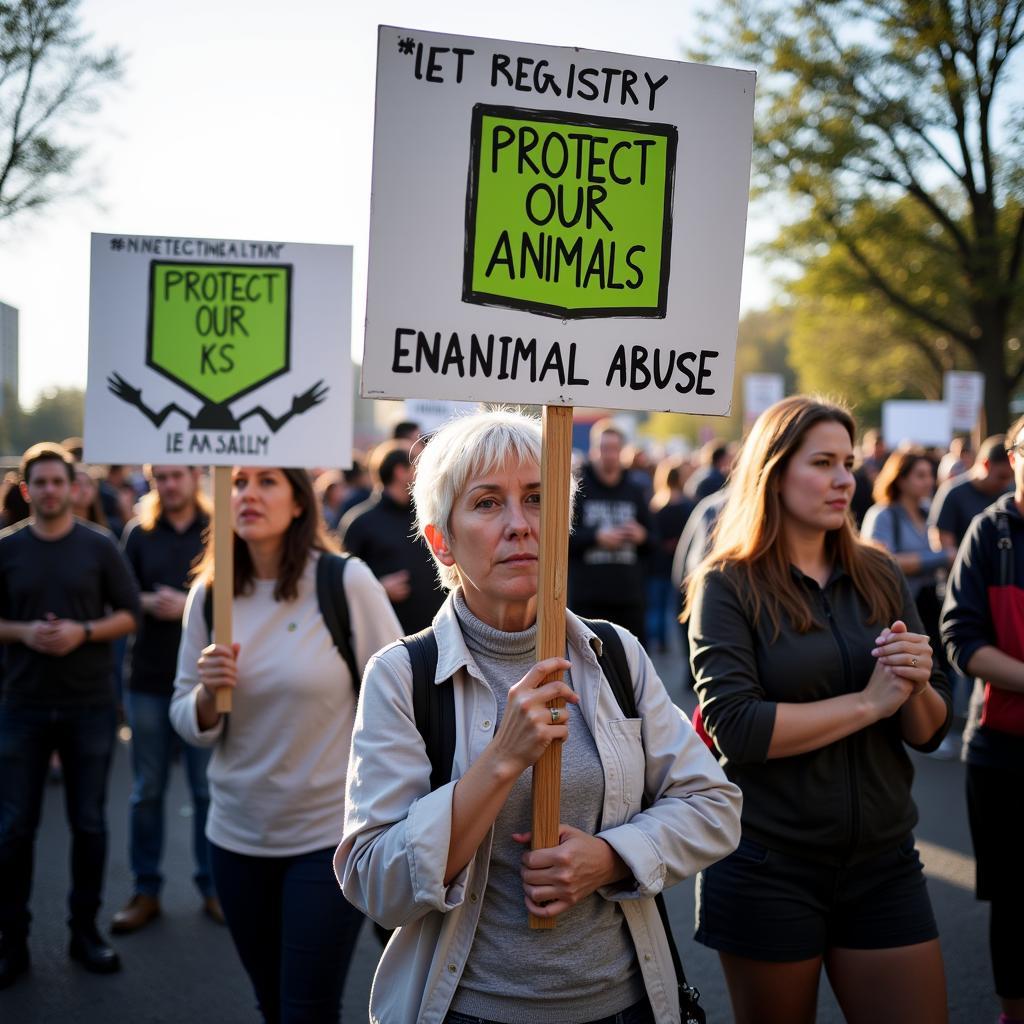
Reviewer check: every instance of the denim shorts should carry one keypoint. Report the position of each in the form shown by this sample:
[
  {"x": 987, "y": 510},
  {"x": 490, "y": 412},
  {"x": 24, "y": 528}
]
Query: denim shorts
[
  {"x": 638, "y": 1013},
  {"x": 766, "y": 905}
]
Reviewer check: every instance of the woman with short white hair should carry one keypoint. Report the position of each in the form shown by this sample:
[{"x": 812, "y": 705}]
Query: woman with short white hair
[{"x": 446, "y": 861}]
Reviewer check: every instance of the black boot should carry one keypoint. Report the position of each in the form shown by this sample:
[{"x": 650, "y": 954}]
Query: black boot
[
  {"x": 13, "y": 960},
  {"x": 92, "y": 951}
]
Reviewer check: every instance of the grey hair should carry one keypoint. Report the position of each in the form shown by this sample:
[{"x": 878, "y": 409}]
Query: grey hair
[{"x": 461, "y": 449}]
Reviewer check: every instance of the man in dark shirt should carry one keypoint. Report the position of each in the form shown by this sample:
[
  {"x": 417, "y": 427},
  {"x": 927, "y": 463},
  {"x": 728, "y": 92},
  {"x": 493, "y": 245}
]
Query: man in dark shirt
[
  {"x": 161, "y": 545},
  {"x": 381, "y": 531},
  {"x": 65, "y": 595},
  {"x": 716, "y": 458},
  {"x": 961, "y": 499},
  {"x": 611, "y": 537}
]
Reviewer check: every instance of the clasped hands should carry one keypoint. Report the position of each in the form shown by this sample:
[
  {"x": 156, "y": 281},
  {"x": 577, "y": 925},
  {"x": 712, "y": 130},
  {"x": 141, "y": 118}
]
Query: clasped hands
[{"x": 902, "y": 669}]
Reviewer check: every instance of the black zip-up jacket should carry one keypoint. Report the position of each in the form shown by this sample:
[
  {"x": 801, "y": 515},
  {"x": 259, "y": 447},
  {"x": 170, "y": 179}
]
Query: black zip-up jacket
[
  {"x": 844, "y": 802},
  {"x": 967, "y": 621}
]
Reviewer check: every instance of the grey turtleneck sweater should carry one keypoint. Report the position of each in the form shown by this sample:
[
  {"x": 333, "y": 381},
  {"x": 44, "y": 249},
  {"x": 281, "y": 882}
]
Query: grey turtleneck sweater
[{"x": 584, "y": 969}]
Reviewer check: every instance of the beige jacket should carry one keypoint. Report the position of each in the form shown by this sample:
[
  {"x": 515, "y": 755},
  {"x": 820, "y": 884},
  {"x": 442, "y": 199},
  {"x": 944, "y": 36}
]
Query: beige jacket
[{"x": 393, "y": 854}]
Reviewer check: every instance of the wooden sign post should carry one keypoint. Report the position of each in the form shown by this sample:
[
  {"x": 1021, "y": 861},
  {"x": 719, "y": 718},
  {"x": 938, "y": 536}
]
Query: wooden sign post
[
  {"x": 553, "y": 581},
  {"x": 224, "y": 569},
  {"x": 564, "y": 237}
]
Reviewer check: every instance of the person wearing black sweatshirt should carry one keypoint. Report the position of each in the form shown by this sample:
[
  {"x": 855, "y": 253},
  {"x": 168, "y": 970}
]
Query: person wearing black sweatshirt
[
  {"x": 381, "y": 531},
  {"x": 983, "y": 627},
  {"x": 612, "y": 535}
]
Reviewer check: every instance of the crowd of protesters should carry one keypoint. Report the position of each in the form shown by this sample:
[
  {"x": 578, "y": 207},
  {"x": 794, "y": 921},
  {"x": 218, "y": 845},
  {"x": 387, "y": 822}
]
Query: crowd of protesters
[{"x": 839, "y": 603}]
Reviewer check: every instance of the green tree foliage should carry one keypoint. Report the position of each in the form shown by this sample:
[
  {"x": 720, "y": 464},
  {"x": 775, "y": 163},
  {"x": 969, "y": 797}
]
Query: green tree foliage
[
  {"x": 49, "y": 80},
  {"x": 891, "y": 118},
  {"x": 851, "y": 341}
]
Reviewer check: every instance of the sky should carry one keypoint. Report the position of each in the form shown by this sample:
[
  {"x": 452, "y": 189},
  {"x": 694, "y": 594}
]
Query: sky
[{"x": 253, "y": 119}]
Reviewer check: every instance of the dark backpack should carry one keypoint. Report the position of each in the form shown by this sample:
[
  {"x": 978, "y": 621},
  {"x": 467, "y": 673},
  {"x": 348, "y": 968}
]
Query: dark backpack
[
  {"x": 330, "y": 596},
  {"x": 434, "y": 710}
]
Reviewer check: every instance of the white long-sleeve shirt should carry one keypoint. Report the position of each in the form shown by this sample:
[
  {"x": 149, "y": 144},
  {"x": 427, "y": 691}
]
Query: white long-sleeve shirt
[{"x": 277, "y": 776}]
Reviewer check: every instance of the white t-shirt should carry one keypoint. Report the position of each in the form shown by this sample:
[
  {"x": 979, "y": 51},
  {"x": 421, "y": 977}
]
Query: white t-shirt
[{"x": 277, "y": 775}]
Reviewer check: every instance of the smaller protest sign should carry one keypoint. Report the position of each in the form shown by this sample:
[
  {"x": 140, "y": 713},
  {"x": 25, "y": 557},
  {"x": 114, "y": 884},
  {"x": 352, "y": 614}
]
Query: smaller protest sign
[
  {"x": 964, "y": 393},
  {"x": 919, "y": 423},
  {"x": 761, "y": 391}
]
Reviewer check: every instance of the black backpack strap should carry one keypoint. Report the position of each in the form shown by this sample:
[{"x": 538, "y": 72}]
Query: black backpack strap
[
  {"x": 433, "y": 706},
  {"x": 616, "y": 670},
  {"x": 330, "y": 596},
  {"x": 1005, "y": 544},
  {"x": 614, "y": 664},
  {"x": 208, "y": 610}
]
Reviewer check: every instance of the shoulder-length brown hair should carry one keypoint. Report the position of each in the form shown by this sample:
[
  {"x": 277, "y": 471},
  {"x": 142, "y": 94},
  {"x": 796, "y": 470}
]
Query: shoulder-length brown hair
[
  {"x": 748, "y": 537},
  {"x": 306, "y": 533},
  {"x": 894, "y": 471}
]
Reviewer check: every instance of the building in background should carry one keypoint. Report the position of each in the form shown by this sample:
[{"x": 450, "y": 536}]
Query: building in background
[{"x": 8, "y": 355}]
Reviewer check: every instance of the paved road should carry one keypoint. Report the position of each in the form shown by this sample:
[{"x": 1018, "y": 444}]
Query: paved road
[{"x": 183, "y": 967}]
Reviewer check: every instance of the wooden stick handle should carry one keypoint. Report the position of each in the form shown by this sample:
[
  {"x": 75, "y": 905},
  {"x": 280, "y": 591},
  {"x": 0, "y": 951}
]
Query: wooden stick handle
[
  {"x": 556, "y": 465},
  {"x": 224, "y": 569}
]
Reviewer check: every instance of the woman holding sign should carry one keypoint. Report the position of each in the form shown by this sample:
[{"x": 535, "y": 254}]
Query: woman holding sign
[
  {"x": 277, "y": 775},
  {"x": 814, "y": 675},
  {"x": 438, "y": 847}
]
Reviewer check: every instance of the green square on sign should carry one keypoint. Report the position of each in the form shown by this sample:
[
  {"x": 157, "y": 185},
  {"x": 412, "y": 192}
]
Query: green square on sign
[
  {"x": 219, "y": 329},
  {"x": 568, "y": 216}
]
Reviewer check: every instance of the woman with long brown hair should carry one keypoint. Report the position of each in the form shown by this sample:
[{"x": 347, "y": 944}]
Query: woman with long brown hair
[
  {"x": 814, "y": 675},
  {"x": 277, "y": 775}
]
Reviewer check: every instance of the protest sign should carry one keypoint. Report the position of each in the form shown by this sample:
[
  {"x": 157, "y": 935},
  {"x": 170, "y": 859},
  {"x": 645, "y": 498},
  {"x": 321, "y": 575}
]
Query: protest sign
[
  {"x": 761, "y": 391},
  {"x": 217, "y": 352},
  {"x": 964, "y": 392},
  {"x": 919, "y": 423},
  {"x": 430, "y": 413},
  {"x": 554, "y": 226}
]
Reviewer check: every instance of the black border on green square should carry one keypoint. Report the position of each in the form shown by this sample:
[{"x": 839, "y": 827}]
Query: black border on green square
[
  {"x": 482, "y": 298},
  {"x": 288, "y": 268}
]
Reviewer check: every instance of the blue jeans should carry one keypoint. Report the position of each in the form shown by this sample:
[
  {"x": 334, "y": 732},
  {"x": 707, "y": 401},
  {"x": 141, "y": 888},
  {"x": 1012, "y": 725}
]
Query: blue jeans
[
  {"x": 638, "y": 1013},
  {"x": 293, "y": 929},
  {"x": 153, "y": 742},
  {"x": 84, "y": 739},
  {"x": 659, "y": 602}
]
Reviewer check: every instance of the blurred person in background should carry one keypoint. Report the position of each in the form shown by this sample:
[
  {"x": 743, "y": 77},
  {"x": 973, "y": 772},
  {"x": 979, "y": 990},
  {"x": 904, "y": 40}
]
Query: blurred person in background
[
  {"x": 957, "y": 461},
  {"x": 329, "y": 488},
  {"x": 13, "y": 506},
  {"x": 715, "y": 464},
  {"x": 407, "y": 432},
  {"x": 65, "y": 595},
  {"x": 382, "y": 532},
  {"x": 670, "y": 509},
  {"x": 358, "y": 486},
  {"x": 161, "y": 546},
  {"x": 959, "y": 500},
  {"x": 112, "y": 498},
  {"x": 983, "y": 625},
  {"x": 85, "y": 498},
  {"x": 611, "y": 537},
  {"x": 870, "y": 459}
]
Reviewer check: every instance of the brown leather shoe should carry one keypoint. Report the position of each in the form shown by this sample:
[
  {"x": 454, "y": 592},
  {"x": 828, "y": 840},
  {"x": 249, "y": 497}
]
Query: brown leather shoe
[
  {"x": 135, "y": 914},
  {"x": 212, "y": 909}
]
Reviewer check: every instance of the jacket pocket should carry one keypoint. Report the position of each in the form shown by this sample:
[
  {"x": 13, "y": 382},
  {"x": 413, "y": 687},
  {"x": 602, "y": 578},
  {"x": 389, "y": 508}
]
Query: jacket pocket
[{"x": 627, "y": 742}]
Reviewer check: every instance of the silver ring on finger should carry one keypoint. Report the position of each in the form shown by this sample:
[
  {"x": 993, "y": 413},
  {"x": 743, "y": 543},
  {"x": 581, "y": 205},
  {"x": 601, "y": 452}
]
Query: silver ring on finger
[
  {"x": 556, "y": 715},
  {"x": 913, "y": 662}
]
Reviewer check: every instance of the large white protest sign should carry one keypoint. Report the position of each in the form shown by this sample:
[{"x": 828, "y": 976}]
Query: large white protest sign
[
  {"x": 555, "y": 226},
  {"x": 964, "y": 393},
  {"x": 919, "y": 423},
  {"x": 216, "y": 352}
]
